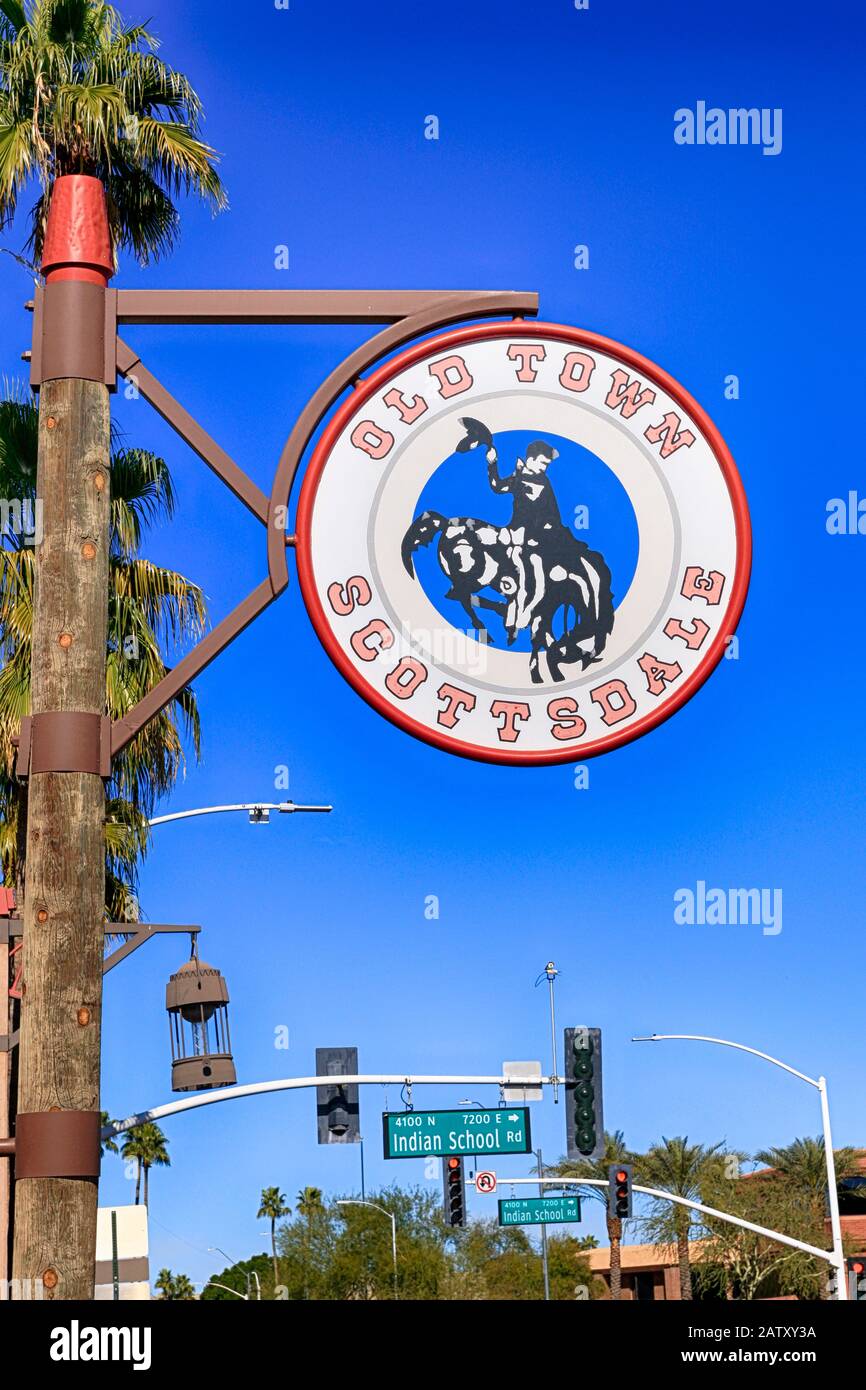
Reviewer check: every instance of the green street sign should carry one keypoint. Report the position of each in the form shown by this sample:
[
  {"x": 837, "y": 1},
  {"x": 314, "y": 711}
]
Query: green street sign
[
  {"x": 418, "y": 1133},
  {"x": 538, "y": 1211}
]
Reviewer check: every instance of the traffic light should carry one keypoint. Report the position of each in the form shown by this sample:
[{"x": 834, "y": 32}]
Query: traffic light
[
  {"x": 338, "y": 1114},
  {"x": 857, "y": 1279},
  {"x": 619, "y": 1190},
  {"x": 584, "y": 1135},
  {"x": 455, "y": 1192}
]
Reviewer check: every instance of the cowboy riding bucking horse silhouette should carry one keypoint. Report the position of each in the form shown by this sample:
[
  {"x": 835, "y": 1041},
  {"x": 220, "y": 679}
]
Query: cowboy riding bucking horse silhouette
[{"x": 548, "y": 581}]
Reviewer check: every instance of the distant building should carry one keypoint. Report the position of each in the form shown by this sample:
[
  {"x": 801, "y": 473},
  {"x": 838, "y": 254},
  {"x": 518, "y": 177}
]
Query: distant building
[
  {"x": 122, "y": 1246},
  {"x": 650, "y": 1273}
]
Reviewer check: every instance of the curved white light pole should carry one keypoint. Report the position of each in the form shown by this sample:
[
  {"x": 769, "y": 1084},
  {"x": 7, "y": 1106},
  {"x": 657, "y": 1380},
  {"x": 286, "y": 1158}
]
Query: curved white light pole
[
  {"x": 212, "y": 1284},
  {"x": 257, "y": 810},
  {"x": 218, "y": 1250},
  {"x": 295, "y": 1083},
  {"x": 353, "y": 1202},
  {"x": 820, "y": 1085},
  {"x": 681, "y": 1202}
]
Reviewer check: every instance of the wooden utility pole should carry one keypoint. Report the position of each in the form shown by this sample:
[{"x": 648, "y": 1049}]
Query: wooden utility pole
[{"x": 63, "y": 752}]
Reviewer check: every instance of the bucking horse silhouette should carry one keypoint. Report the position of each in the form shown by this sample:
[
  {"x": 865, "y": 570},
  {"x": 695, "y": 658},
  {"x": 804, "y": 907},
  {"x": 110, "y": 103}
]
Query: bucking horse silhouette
[{"x": 548, "y": 581}]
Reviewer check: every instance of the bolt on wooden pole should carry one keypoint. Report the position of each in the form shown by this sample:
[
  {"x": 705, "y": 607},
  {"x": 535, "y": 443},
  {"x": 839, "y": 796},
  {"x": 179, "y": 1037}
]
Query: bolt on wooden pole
[{"x": 57, "y": 1127}]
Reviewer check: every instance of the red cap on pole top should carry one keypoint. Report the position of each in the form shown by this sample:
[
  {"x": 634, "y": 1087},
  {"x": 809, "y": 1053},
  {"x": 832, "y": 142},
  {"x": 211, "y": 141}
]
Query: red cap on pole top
[{"x": 77, "y": 239}]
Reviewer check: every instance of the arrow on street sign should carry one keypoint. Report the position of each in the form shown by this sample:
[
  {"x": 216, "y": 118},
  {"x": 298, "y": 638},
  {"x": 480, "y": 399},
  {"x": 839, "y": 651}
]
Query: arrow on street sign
[{"x": 485, "y": 1182}]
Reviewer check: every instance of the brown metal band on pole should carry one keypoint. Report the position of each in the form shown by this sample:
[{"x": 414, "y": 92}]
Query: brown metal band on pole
[
  {"x": 74, "y": 334},
  {"x": 64, "y": 741},
  {"x": 57, "y": 1144}
]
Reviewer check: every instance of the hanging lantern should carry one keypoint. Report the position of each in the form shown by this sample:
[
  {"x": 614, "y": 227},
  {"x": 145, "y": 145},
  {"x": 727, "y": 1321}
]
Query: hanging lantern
[{"x": 196, "y": 998}]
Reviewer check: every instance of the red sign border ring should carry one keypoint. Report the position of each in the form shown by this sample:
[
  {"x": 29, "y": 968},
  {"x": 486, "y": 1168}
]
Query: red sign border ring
[{"x": 583, "y": 338}]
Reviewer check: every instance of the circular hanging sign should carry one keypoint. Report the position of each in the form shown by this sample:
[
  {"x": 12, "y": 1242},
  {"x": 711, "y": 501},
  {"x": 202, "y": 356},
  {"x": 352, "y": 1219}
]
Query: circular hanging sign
[{"x": 523, "y": 542}]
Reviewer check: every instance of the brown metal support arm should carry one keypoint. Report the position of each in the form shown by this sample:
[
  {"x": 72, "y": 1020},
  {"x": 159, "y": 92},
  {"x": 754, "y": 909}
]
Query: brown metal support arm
[
  {"x": 304, "y": 306},
  {"x": 144, "y": 931}
]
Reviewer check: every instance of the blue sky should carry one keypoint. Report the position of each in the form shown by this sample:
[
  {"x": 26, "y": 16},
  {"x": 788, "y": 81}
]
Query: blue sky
[{"x": 556, "y": 129}]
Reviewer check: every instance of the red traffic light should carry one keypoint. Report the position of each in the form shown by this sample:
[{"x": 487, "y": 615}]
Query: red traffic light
[
  {"x": 621, "y": 1176},
  {"x": 453, "y": 1163},
  {"x": 857, "y": 1266}
]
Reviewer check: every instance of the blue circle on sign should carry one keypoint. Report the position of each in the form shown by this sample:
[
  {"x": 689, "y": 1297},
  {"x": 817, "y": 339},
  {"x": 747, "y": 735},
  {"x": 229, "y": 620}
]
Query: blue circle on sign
[{"x": 577, "y": 486}]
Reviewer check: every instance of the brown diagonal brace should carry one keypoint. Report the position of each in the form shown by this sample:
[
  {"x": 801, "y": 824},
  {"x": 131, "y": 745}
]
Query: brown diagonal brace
[
  {"x": 57, "y": 1144},
  {"x": 129, "y": 364},
  {"x": 125, "y": 729},
  {"x": 64, "y": 741}
]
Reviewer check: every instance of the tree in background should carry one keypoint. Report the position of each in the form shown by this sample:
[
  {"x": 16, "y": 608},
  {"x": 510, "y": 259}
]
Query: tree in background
[
  {"x": 310, "y": 1204},
  {"x": 344, "y": 1253},
  {"x": 81, "y": 92},
  {"x": 106, "y": 1146},
  {"x": 681, "y": 1168},
  {"x": 245, "y": 1278},
  {"x": 151, "y": 609},
  {"x": 147, "y": 1145},
  {"x": 741, "y": 1264},
  {"x": 615, "y": 1151},
  {"x": 176, "y": 1287},
  {"x": 803, "y": 1163},
  {"x": 274, "y": 1205}
]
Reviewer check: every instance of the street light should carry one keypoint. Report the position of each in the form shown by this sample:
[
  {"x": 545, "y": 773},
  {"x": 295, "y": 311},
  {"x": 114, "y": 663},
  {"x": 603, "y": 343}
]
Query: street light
[
  {"x": 258, "y": 811},
  {"x": 353, "y": 1202},
  {"x": 212, "y": 1284},
  {"x": 217, "y": 1250},
  {"x": 821, "y": 1086}
]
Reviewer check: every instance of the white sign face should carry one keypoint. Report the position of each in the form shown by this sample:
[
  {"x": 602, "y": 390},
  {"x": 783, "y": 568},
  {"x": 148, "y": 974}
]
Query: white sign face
[
  {"x": 523, "y": 543},
  {"x": 485, "y": 1182}
]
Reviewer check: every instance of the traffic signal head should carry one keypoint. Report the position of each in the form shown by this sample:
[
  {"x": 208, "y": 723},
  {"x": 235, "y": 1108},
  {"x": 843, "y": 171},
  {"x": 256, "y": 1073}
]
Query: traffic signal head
[
  {"x": 583, "y": 1108},
  {"x": 857, "y": 1279},
  {"x": 619, "y": 1191},
  {"x": 338, "y": 1116},
  {"x": 455, "y": 1192}
]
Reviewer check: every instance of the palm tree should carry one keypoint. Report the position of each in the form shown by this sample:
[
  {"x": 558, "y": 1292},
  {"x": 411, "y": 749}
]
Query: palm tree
[
  {"x": 149, "y": 608},
  {"x": 174, "y": 1286},
  {"x": 81, "y": 92},
  {"x": 678, "y": 1167},
  {"x": 803, "y": 1163},
  {"x": 106, "y": 1145},
  {"x": 615, "y": 1151},
  {"x": 309, "y": 1203},
  {"x": 148, "y": 1146},
  {"x": 273, "y": 1205}
]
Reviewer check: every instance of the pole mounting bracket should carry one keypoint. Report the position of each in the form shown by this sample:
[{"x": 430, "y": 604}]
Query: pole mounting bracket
[{"x": 63, "y": 741}]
